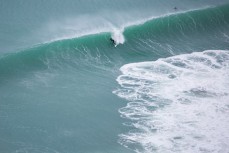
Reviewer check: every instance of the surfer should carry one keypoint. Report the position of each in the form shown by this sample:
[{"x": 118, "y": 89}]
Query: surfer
[
  {"x": 112, "y": 40},
  {"x": 175, "y": 8}
]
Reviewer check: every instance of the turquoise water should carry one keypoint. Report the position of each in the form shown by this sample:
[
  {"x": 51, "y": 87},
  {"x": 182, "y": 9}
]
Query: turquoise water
[{"x": 64, "y": 87}]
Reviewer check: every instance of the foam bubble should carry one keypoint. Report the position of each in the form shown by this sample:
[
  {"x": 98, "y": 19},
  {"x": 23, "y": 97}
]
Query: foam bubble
[{"x": 177, "y": 104}]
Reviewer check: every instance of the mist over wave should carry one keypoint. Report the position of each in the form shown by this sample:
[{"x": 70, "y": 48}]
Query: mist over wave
[{"x": 25, "y": 24}]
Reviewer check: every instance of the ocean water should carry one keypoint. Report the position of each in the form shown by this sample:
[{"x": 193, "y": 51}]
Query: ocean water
[{"x": 66, "y": 88}]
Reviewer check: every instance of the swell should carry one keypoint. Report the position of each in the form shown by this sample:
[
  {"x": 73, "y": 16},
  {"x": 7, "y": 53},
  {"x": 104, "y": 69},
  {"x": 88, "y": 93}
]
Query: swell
[
  {"x": 160, "y": 37},
  {"x": 194, "y": 30}
]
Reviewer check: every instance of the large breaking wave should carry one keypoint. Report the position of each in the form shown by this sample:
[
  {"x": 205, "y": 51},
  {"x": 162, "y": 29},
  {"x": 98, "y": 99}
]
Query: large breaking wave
[{"x": 159, "y": 37}]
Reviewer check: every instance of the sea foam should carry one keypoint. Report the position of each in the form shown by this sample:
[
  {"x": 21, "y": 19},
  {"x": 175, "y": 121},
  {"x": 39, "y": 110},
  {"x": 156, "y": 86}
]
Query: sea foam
[
  {"x": 117, "y": 36},
  {"x": 177, "y": 104}
]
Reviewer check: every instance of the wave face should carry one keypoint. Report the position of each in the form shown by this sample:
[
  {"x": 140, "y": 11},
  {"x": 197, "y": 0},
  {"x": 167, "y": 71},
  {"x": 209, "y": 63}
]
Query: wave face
[
  {"x": 25, "y": 24},
  {"x": 177, "y": 104},
  {"x": 57, "y": 96},
  {"x": 161, "y": 37}
]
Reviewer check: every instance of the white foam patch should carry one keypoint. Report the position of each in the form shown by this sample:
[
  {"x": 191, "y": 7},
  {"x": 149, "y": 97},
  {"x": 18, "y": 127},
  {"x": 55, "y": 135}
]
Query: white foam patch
[
  {"x": 177, "y": 104},
  {"x": 117, "y": 36}
]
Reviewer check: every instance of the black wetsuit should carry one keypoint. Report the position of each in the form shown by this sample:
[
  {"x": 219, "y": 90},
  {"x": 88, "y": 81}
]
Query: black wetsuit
[{"x": 112, "y": 40}]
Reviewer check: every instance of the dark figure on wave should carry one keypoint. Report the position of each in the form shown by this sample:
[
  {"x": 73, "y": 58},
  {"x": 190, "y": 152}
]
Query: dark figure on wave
[
  {"x": 175, "y": 8},
  {"x": 113, "y": 41}
]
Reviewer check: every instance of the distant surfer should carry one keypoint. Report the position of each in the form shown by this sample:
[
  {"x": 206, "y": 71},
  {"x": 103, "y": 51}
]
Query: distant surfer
[
  {"x": 112, "y": 40},
  {"x": 175, "y": 8}
]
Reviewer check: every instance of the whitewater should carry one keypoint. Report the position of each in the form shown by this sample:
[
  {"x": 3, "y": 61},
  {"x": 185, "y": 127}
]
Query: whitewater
[
  {"x": 178, "y": 104},
  {"x": 65, "y": 87}
]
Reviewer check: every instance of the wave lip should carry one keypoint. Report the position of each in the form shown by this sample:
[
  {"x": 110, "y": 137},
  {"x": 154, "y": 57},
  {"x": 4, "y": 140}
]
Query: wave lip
[{"x": 177, "y": 104}]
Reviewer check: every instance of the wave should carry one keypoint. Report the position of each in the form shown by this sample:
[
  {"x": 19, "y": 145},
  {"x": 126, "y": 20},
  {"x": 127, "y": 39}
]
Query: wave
[
  {"x": 156, "y": 38},
  {"x": 117, "y": 32},
  {"x": 176, "y": 104}
]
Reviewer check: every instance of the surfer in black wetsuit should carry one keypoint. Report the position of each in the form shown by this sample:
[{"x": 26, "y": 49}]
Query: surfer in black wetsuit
[
  {"x": 112, "y": 40},
  {"x": 175, "y": 8}
]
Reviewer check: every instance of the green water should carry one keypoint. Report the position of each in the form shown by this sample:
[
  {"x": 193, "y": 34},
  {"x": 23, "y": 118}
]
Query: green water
[{"x": 56, "y": 88}]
